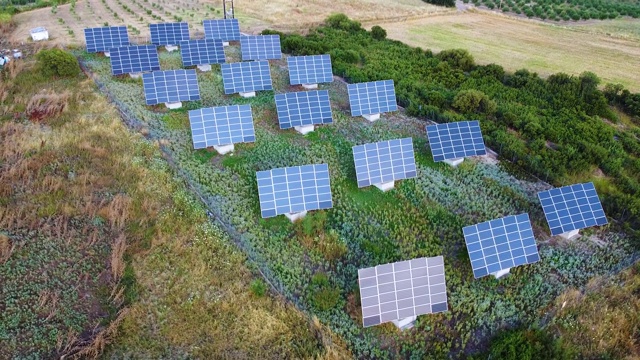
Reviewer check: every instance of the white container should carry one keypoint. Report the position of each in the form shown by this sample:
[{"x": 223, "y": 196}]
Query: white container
[{"x": 39, "y": 34}]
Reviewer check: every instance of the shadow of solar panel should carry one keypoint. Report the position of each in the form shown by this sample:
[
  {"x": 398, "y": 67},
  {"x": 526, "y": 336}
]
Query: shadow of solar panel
[
  {"x": 201, "y": 52},
  {"x": 246, "y": 77},
  {"x": 169, "y": 33},
  {"x": 572, "y": 207},
  {"x": 260, "y": 47},
  {"x": 402, "y": 289},
  {"x": 373, "y": 97},
  {"x": 312, "y": 69},
  {"x": 294, "y": 189},
  {"x": 170, "y": 86},
  {"x": 134, "y": 59},
  {"x": 221, "y": 125},
  {"x": 303, "y": 108},
  {"x": 101, "y": 39},
  {"x": 455, "y": 140},
  {"x": 500, "y": 244},
  {"x": 222, "y": 29},
  {"x": 384, "y": 161}
]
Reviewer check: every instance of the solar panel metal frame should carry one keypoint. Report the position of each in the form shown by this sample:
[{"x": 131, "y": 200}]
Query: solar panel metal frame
[
  {"x": 500, "y": 244},
  {"x": 246, "y": 76},
  {"x": 310, "y": 69},
  {"x": 402, "y": 289},
  {"x": 171, "y": 33},
  {"x": 221, "y": 125},
  {"x": 201, "y": 52},
  {"x": 384, "y": 161},
  {"x": 221, "y": 29},
  {"x": 294, "y": 189},
  {"x": 101, "y": 39},
  {"x": 260, "y": 47},
  {"x": 373, "y": 97},
  {"x": 170, "y": 86},
  {"x": 455, "y": 140},
  {"x": 303, "y": 108},
  {"x": 572, "y": 207},
  {"x": 129, "y": 59}
]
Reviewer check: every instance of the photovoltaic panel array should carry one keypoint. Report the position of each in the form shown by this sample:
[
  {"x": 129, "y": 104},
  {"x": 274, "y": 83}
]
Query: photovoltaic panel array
[
  {"x": 373, "y": 97},
  {"x": 246, "y": 77},
  {"x": 222, "y": 29},
  {"x": 402, "y": 289},
  {"x": 134, "y": 59},
  {"x": 170, "y": 86},
  {"x": 260, "y": 47},
  {"x": 202, "y": 52},
  {"x": 384, "y": 161},
  {"x": 303, "y": 108},
  {"x": 312, "y": 69},
  {"x": 455, "y": 140},
  {"x": 572, "y": 207},
  {"x": 169, "y": 33},
  {"x": 294, "y": 189},
  {"x": 104, "y": 38},
  {"x": 500, "y": 244},
  {"x": 221, "y": 125}
]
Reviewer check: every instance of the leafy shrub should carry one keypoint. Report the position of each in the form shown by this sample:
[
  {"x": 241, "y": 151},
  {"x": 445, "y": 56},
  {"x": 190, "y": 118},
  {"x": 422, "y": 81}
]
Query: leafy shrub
[
  {"x": 457, "y": 59},
  {"x": 56, "y": 62},
  {"x": 258, "y": 288},
  {"x": 342, "y": 22},
  {"x": 526, "y": 345},
  {"x": 378, "y": 33},
  {"x": 474, "y": 101},
  {"x": 324, "y": 295}
]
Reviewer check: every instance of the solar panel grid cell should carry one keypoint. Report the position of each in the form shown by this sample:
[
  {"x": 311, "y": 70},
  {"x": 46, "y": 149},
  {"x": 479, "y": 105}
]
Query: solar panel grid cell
[
  {"x": 384, "y": 161},
  {"x": 202, "y": 52},
  {"x": 104, "y": 38},
  {"x": 312, "y": 69},
  {"x": 170, "y": 86},
  {"x": 455, "y": 140},
  {"x": 246, "y": 77},
  {"x": 222, "y": 29},
  {"x": 134, "y": 59},
  {"x": 221, "y": 125},
  {"x": 303, "y": 108},
  {"x": 260, "y": 47},
  {"x": 372, "y": 97},
  {"x": 169, "y": 33}
]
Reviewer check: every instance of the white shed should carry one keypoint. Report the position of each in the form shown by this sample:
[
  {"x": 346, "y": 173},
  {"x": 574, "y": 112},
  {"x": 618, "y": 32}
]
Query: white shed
[{"x": 39, "y": 33}]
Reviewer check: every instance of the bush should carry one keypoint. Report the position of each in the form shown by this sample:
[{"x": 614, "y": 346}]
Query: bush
[
  {"x": 258, "y": 288},
  {"x": 342, "y": 22},
  {"x": 526, "y": 345},
  {"x": 378, "y": 33},
  {"x": 56, "y": 62},
  {"x": 474, "y": 101},
  {"x": 457, "y": 59}
]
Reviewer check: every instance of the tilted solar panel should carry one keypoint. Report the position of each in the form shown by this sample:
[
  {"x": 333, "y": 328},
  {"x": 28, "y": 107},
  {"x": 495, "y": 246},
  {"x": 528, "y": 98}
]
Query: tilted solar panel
[
  {"x": 134, "y": 59},
  {"x": 170, "y": 86},
  {"x": 455, "y": 140},
  {"x": 169, "y": 33},
  {"x": 222, "y": 29},
  {"x": 312, "y": 69},
  {"x": 246, "y": 77},
  {"x": 373, "y": 97},
  {"x": 303, "y": 108},
  {"x": 221, "y": 125},
  {"x": 201, "y": 52},
  {"x": 101, "y": 39},
  {"x": 384, "y": 161},
  {"x": 402, "y": 289},
  {"x": 260, "y": 47},
  {"x": 500, "y": 244},
  {"x": 294, "y": 189},
  {"x": 572, "y": 207}
]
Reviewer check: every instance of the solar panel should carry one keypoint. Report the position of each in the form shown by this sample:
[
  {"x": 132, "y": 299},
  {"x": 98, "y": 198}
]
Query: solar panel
[
  {"x": 170, "y": 86},
  {"x": 572, "y": 207},
  {"x": 303, "y": 108},
  {"x": 455, "y": 140},
  {"x": 169, "y": 33},
  {"x": 246, "y": 77},
  {"x": 402, "y": 289},
  {"x": 222, "y": 29},
  {"x": 260, "y": 47},
  {"x": 313, "y": 69},
  {"x": 500, "y": 244},
  {"x": 202, "y": 52},
  {"x": 384, "y": 161},
  {"x": 221, "y": 125},
  {"x": 101, "y": 39},
  {"x": 373, "y": 97},
  {"x": 294, "y": 189},
  {"x": 134, "y": 59}
]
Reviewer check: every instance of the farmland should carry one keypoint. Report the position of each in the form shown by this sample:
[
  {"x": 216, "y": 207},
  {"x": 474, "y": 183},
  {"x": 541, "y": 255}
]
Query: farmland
[{"x": 565, "y": 11}]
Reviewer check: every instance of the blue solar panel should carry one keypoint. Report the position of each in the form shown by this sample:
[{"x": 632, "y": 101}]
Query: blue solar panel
[
  {"x": 572, "y": 207},
  {"x": 313, "y": 69},
  {"x": 201, "y": 52},
  {"x": 246, "y": 77},
  {"x": 500, "y": 244},
  {"x": 222, "y": 29},
  {"x": 384, "y": 161},
  {"x": 260, "y": 47},
  {"x": 169, "y": 33},
  {"x": 373, "y": 97},
  {"x": 455, "y": 140},
  {"x": 294, "y": 189},
  {"x": 134, "y": 59},
  {"x": 104, "y": 38},
  {"x": 170, "y": 86},
  {"x": 303, "y": 108},
  {"x": 221, "y": 125}
]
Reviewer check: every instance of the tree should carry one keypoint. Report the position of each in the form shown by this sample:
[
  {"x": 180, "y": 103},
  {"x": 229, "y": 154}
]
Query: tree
[
  {"x": 474, "y": 101},
  {"x": 378, "y": 33},
  {"x": 457, "y": 59}
]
